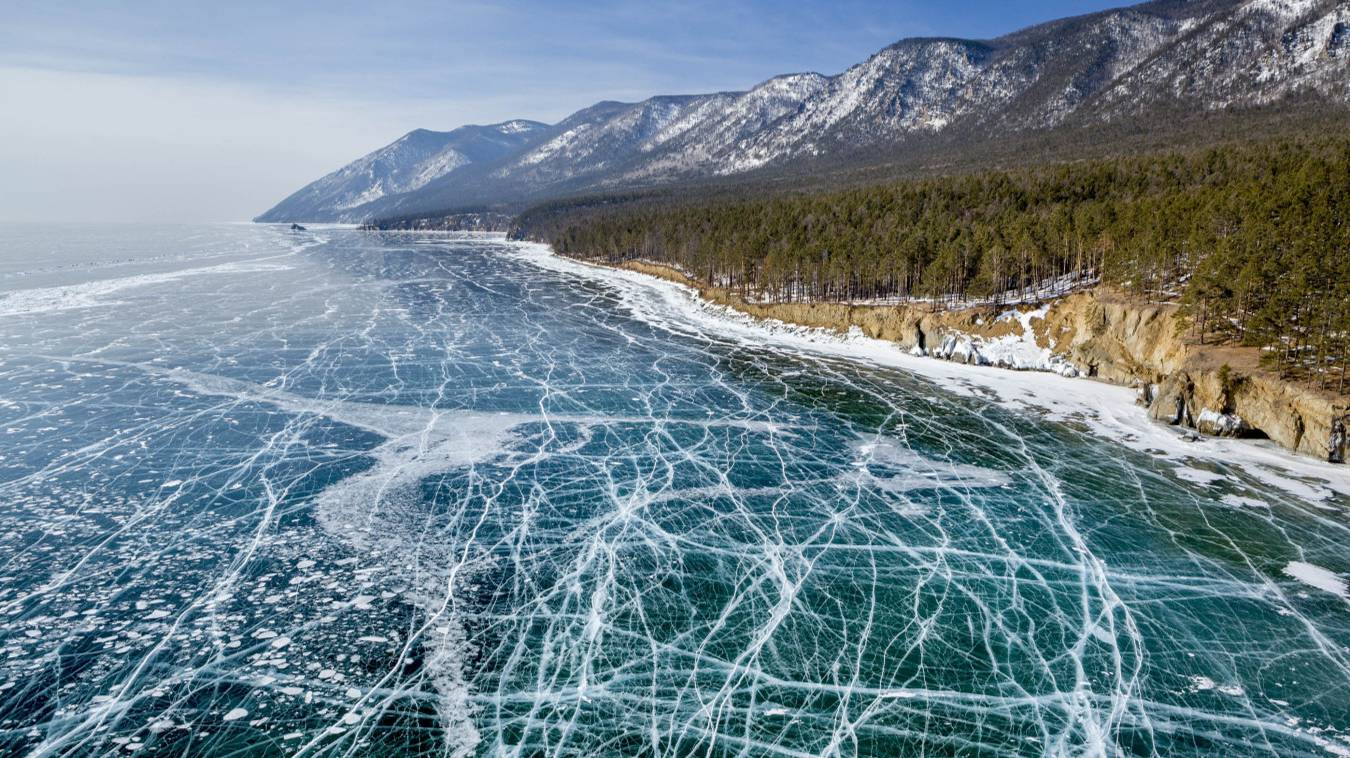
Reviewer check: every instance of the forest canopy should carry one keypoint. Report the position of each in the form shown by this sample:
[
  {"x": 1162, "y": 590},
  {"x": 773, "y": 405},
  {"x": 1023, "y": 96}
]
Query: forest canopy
[{"x": 1253, "y": 239}]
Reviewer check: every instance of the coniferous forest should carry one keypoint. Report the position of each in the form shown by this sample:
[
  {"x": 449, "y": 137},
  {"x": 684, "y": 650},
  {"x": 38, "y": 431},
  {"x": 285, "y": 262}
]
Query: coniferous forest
[{"x": 1252, "y": 239}]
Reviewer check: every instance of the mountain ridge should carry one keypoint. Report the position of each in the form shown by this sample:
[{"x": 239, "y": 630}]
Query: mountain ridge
[
  {"x": 1081, "y": 71},
  {"x": 405, "y": 165}
]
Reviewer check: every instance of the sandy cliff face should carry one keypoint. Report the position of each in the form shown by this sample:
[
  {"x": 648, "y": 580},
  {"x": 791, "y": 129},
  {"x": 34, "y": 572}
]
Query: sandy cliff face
[
  {"x": 1100, "y": 335},
  {"x": 1114, "y": 340},
  {"x": 1187, "y": 384}
]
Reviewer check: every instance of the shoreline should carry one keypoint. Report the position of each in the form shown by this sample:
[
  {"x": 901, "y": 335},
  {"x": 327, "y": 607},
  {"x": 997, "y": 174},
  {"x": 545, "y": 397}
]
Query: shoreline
[
  {"x": 1110, "y": 411},
  {"x": 1212, "y": 390}
]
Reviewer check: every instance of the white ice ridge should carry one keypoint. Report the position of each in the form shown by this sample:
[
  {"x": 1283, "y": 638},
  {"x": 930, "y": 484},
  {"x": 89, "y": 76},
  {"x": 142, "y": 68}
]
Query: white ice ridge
[
  {"x": 471, "y": 430},
  {"x": 92, "y": 294},
  {"x": 1108, "y": 410}
]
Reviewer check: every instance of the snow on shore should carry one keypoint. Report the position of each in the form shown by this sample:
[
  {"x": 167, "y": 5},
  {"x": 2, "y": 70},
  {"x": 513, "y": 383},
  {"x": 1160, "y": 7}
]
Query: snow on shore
[{"x": 1015, "y": 351}]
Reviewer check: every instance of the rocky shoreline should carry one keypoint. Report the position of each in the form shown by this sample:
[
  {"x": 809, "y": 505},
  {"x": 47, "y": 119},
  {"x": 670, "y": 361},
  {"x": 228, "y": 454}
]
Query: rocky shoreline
[{"x": 1096, "y": 334}]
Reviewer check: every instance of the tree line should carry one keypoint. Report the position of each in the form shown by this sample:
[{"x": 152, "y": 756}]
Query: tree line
[{"x": 1253, "y": 239}]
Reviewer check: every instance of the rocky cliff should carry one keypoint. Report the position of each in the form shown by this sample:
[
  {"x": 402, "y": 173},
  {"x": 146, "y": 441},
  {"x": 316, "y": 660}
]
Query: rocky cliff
[
  {"x": 1219, "y": 391},
  {"x": 1097, "y": 334}
]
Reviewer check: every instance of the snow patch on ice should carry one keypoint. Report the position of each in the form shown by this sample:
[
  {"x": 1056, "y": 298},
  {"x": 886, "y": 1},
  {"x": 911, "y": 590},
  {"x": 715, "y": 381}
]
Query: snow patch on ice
[
  {"x": 1316, "y": 576},
  {"x": 92, "y": 294},
  {"x": 1242, "y": 501},
  {"x": 892, "y": 466},
  {"x": 1199, "y": 476}
]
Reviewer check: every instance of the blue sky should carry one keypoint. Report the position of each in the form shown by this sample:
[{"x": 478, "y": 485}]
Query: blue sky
[{"x": 137, "y": 110}]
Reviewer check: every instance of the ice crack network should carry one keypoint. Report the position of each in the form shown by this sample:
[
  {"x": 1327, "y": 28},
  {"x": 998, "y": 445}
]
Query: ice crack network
[{"x": 352, "y": 493}]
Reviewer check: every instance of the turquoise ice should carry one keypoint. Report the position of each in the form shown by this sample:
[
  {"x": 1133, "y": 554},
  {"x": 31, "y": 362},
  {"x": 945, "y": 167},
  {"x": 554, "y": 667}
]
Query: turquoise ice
[{"x": 346, "y": 493}]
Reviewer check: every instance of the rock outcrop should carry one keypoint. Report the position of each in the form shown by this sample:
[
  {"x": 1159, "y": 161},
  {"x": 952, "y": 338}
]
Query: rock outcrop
[{"x": 1187, "y": 384}]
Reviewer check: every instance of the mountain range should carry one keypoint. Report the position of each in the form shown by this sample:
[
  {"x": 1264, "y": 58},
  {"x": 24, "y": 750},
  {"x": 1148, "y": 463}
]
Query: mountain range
[{"x": 1136, "y": 64}]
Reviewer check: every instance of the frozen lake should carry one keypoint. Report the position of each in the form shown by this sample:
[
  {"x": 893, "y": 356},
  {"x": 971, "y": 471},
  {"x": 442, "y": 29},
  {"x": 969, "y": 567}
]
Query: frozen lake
[{"x": 346, "y": 493}]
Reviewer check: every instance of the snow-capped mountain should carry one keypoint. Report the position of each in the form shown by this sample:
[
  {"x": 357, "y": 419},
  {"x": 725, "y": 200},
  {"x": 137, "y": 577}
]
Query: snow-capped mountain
[
  {"x": 1129, "y": 63},
  {"x": 406, "y": 165},
  {"x": 1263, "y": 51}
]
